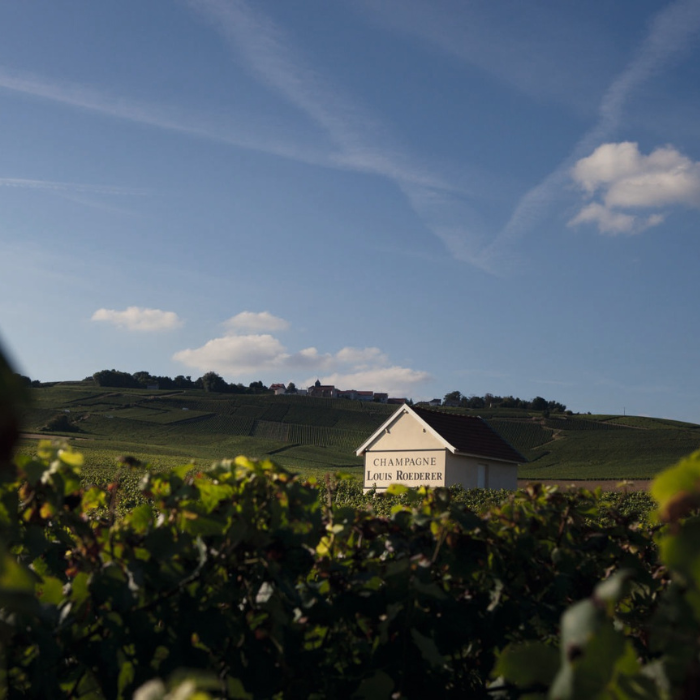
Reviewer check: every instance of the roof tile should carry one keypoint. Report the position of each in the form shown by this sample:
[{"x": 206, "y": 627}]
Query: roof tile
[{"x": 469, "y": 434}]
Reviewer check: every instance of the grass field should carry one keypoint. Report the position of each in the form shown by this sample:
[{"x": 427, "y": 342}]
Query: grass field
[{"x": 314, "y": 436}]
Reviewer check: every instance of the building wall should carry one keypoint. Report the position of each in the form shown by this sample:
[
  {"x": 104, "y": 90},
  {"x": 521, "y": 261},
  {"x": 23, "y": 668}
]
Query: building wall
[
  {"x": 503, "y": 476},
  {"x": 472, "y": 472},
  {"x": 461, "y": 470},
  {"x": 406, "y": 434}
]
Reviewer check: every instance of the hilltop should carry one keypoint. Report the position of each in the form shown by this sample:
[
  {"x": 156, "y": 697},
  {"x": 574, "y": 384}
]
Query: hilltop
[{"x": 314, "y": 435}]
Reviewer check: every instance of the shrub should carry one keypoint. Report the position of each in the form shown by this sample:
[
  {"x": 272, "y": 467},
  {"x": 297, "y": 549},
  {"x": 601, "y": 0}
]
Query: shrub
[{"x": 245, "y": 577}]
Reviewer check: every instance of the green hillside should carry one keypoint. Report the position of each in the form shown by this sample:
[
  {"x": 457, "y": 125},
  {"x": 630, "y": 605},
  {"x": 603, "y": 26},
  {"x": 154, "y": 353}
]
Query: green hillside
[
  {"x": 320, "y": 435},
  {"x": 169, "y": 427}
]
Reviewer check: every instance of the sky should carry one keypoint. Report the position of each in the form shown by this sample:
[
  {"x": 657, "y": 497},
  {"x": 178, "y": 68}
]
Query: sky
[{"x": 412, "y": 196}]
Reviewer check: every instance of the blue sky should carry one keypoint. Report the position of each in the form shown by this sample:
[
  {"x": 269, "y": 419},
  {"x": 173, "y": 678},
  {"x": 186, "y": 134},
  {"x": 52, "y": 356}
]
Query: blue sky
[{"x": 407, "y": 196}]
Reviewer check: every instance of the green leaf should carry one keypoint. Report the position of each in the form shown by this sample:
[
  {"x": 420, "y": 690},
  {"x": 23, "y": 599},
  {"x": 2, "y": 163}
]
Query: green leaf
[
  {"x": 212, "y": 494},
  {"x": 93, "y": 498},
  {"x": 397, "y": 489},
  {"x": 126, "y": 676},
  {"x": 34, "y": 471},
  {"x": 50, "y": 590},
  {"x": 376, "y": 687},
  {"x": 141, "y": 518},
  {"x": 613, "y": 588},
  {"x": 578, "y": 625},
  {"x": 17, "y": 586},
  {"x": 183, "y": 470},
  {"x": 79, "y": 587},
  {"x": 677, "y": 489},
  {"x": 428, "y": 648},
  {"x": 591, "y": 658},
  {"x": 431, "y": 590},
  {"x": 72, "y": 459},
  {"x": 15, "y": 577},
  {"x": 151, "y": 690},
  {"x": 201, "y": 525},
  {"x": 528, "y": 664},
  {"x": 236, "y": 690},
  {"x": 681, "y": 552}
]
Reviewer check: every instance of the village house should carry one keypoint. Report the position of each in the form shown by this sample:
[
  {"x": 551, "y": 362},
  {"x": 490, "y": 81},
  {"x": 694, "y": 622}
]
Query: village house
[
  {"x": 420, "y": 447},
  {"x": 322, "y": 391},
  {"x": 328, "y": 391}
]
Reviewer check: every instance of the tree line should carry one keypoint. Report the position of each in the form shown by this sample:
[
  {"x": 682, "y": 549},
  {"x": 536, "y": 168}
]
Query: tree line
[
  {"x": 210, "y": 381},
  {"x": 456, "y": 398}
]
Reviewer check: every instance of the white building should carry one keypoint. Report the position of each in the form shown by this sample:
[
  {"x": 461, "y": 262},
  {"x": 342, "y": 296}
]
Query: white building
[{"x": 420, "y": 447}]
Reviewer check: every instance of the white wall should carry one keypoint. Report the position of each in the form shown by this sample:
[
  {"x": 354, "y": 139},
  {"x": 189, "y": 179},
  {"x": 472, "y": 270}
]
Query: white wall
[
  {"x": 503, "y": 476},
  {"x": 406, "y": 433}
]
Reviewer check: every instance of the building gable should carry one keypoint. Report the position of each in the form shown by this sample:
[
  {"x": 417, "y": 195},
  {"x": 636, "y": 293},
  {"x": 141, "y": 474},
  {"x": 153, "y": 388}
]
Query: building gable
[{"x": 404, "y": 432}]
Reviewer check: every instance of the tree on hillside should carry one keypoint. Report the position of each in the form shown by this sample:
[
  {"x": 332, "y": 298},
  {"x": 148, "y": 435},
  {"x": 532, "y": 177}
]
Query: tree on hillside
[
  {"x": 211, "y": 381},
  {"x": 453, "y": 397},
  {"x": 257, "y": 388},
  {"x": 181, "y": 382},
  {"x": 472, "y": 402},
  {"x": 61, "y": 423},
  {"x": 144, "y": 378},
  {"x": 116, "y": 379},
  {"x": 291, "y": 388},
  {"x": 539, "y": 404}
]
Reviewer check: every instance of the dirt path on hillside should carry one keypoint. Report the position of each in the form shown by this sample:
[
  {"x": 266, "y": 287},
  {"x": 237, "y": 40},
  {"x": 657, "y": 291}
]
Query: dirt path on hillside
[
  {"x": 605, "y": 484},
  {"x": 49, "y": 436}
]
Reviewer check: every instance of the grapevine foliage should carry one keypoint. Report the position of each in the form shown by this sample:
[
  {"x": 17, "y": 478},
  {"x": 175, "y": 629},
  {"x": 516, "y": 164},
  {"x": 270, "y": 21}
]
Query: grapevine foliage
[
  {"x": 605, "y": 649},
  {"x": 244, "y": 578}
]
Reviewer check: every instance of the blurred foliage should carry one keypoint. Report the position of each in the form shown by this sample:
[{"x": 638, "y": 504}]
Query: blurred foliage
[
  {"x": 606, "y": 650},
  {"x": 254, "y": 583}
]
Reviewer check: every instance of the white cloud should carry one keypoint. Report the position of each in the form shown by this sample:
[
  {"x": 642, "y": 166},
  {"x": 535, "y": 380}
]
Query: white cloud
[
  {"x": 628, "y": 180},
  {"x": 395, "y": 381},
  {"x": 631, "y": 179},
  {"x": 361, "y": 356},
  {"x": 256, "y": 322},
  {"x": 309, "y": 358},
  {"x": 245, "y": 354},
  {"x": 235, "y": 355},
  {"x": 608, "y": 221},
  {"x": 135, "y": 318}
]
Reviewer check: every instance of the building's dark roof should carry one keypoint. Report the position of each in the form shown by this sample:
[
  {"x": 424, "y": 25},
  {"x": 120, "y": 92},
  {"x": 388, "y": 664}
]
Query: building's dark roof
[{"x": 469, "y": 434}]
